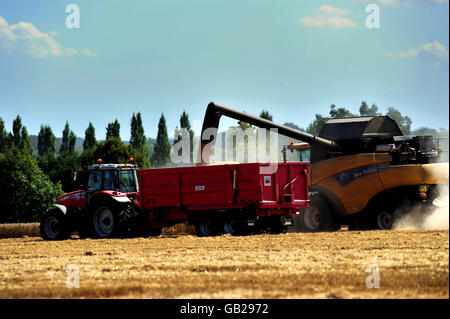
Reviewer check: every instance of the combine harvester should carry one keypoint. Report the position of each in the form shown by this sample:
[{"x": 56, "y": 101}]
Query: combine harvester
[{"x": 364, "y": 172}]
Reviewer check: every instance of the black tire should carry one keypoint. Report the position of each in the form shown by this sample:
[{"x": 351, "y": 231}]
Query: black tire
[
  {"x": 54, "y": 226},
  {"x": 276, "y": 226},
  {"x": 318, "y": 217},
  {"x": 148, "y": 232},
  {"x": 383, "y": 217},
  {"x": 109, "y": 220},
  {"x": 235, "y": 227},
  {"x": 205, "y": 228}
]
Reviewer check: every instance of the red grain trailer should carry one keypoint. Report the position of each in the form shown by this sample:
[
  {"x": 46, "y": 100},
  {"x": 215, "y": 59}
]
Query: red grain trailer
[{"x": 230, "y": 198}]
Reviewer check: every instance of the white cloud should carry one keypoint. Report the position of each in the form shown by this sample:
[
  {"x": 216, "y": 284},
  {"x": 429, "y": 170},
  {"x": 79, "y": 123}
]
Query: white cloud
[
  {"x": 25, "y": 38},
  {"x": 89, "y": 53},
  {"x": 403, "y": 3},
  {"x": 330, "y": 10},
  {"x": 335, "y": 22},
  {"x": 432, "y": 49},
  {"x": 328, "y": 16},
  {"x": 54, "y": 33}
]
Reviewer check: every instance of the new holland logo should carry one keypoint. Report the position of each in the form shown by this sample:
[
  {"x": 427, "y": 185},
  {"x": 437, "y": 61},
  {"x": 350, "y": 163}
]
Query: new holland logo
[{"x": 350, "y": 175}]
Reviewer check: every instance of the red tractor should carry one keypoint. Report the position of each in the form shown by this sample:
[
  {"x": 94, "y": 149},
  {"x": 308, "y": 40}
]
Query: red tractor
[
  {"x": 103, "y": 207},
  {"x": 117, "y": 200}
]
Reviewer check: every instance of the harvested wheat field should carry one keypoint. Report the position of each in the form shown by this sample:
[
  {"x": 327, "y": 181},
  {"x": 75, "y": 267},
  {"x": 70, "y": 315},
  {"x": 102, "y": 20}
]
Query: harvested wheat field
[{"x": 411, "y": 264}]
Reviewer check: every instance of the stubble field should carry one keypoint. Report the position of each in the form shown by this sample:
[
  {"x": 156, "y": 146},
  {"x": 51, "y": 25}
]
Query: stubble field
[{"x": 411, "y": 264}]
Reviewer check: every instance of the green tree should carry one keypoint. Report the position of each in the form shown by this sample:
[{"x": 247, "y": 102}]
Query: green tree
[
  {"x": 161, "y": 152},
  {"x": 4, "y": 139},
  {"x": 89, "y": 137},
  {"x": 46, "y": 142},
  {"x": 68, "y": 141},
  {"x": 266, "y": 115},
  {"x": 25, "y": 191},
  {"x": 339, "y": 112},
  {"x": 25, "y": 143},
  {"x": 137, "y": 140},
  {"x": 404, "y": 122},
  {"x": 113, "y": 150},
  {"x": 19, "y": 136},
  {"x": 16, "y": 136},
  {"x": 315, "y": 127},
  {"x": 113, "y": 130},
  {"x": 365, "y": 110}
]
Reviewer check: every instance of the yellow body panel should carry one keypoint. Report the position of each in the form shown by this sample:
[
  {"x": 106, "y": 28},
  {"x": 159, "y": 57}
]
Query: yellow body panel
[
  {"x": 436, "y": 173},
  {"x": 332, "y": 166},
  {"x": 402, "y": 175},
  {"x": 356, "y": 179}
]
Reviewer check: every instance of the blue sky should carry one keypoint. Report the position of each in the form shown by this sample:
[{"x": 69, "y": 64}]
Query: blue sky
[{"x": 294, "y": 58}]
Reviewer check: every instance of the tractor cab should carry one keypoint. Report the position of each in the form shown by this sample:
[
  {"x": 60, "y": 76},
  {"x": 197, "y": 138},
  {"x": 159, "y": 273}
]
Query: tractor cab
[
  {"x": 113, "y": 177},
  {"x": 101, "y": 178}
]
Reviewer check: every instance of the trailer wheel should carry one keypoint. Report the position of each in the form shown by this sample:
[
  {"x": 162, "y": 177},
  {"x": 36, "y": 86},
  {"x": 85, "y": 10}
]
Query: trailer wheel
[
  {"x": 53, "y": 226},
  {"x": 276, "y": 225},
  {"x": 235, "y": 227},
  {"x": 204, "y": 228},
  {"x": 317, "y": 217},
  {"x": 154, "y": 232}
]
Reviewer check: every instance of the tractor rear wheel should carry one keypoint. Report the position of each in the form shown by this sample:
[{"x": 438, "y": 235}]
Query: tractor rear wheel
[
  {"x": 104, "y": 222},
  {"x": 109, "y": 219},
  {"x": 54, "y": 226}
]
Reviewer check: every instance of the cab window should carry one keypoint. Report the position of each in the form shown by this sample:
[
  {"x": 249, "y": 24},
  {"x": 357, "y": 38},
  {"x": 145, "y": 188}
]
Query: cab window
[
  {"x": 109, "y": 180},
  {"x": 127, "y": 181},
  {"x": 95, "y": 181}
]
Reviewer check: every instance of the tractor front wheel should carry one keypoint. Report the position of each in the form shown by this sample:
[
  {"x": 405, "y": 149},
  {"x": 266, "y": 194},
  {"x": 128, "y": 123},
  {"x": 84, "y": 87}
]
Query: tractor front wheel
[{"x": 54, "y": 226}]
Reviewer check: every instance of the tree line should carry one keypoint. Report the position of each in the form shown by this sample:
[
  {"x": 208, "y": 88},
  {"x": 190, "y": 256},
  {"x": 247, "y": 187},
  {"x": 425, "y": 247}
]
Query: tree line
[{"x": 30, "y": 181}]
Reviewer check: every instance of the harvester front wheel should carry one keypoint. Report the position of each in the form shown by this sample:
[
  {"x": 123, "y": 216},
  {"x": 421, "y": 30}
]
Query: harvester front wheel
[
  {"x": 385, "y": 220},
  {"x": 54, "y": 226},
  {"x": 317, "y": 217}
]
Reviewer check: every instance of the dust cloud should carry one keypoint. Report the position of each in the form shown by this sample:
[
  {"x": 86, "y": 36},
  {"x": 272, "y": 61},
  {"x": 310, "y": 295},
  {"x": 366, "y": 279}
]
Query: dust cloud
[{"x": 436, "y": 219}]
